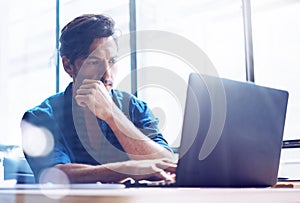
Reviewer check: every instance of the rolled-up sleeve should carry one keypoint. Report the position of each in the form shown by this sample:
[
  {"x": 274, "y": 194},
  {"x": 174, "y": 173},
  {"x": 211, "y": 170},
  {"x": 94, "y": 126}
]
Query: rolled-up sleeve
[
  {"x": 144, "y": 119},
  {"x": 42, "y": 118}
]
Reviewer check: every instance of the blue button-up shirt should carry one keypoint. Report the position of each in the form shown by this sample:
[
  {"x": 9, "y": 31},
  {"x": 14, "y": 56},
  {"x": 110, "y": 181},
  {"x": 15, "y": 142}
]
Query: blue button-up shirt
[{"x": 61, "y": 116}]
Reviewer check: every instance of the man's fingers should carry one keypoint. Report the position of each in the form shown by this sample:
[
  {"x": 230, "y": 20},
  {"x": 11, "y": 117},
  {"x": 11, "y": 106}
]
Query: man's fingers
[
  {"x": 169, "y": 161},
  {"x": 86, "y": 81},
  {"x": 81, "y": 100},
  {"x": 163, "y": 175},
  {"x": 167, "y": 166},
  {"x": 84, "y": 91},
  {"x": 90, "y": 81}
]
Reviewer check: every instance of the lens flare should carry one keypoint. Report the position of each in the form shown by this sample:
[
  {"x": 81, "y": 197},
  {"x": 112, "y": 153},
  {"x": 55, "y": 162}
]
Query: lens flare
[
  {"x": 52, "y": 179},
  {"x": 37, "y": 141}
]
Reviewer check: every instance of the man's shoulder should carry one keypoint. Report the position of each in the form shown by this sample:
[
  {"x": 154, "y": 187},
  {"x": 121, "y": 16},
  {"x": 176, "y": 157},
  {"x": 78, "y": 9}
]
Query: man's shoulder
[
  {"x": 49, "y": 103},
  {"x": 50, "y": 108},
  {"x": 45, "y": 109},
  {"x": 53, "y": 102}
]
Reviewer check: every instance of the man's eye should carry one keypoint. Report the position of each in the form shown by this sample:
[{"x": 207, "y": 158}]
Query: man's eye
[
  {"x": 112, "y": 60},
  {"x": 93, "y": 62}
]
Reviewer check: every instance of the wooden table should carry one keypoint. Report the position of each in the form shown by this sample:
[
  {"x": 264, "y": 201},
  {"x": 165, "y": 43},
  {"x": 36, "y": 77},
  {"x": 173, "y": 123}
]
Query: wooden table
[{"x": 153, "y": 195}]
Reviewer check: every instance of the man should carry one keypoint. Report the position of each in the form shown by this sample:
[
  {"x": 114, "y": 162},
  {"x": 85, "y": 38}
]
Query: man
[{"x": 100, "y": 133}]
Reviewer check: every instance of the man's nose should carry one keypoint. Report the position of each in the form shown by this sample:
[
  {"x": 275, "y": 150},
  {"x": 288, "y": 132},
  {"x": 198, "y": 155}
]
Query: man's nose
[
  {"x": 106, "y": 72},
  {"x": 102, "y": 68}
]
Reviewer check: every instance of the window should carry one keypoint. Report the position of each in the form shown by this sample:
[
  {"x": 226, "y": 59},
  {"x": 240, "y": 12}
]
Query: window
[
  {"x": 27, "y": 61},
  {"x": 28, "y": 53},
  {"x": 118, "y": 10},
  {"x": 215, "y": 27},
  {"x": 276, "y": 43}
]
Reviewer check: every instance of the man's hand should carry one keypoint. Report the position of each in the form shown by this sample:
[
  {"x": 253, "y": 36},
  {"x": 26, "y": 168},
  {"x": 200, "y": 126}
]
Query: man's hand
[
  {"x": 157, "y": 169},
  {"x": 94, "y": 95}
]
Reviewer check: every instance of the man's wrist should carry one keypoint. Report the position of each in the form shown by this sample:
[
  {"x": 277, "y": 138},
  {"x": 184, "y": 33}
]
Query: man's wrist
[{"x": 111, "y": 114}]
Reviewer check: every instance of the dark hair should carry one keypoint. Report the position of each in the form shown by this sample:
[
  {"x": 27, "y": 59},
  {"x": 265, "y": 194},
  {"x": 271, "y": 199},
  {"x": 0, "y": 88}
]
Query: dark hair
[{"x": 78, "y": 35}]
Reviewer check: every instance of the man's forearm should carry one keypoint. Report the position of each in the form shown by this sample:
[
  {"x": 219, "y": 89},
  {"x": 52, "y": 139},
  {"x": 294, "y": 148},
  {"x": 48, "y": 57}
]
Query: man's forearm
[
  {"x": 135, "y": 143},
  {"x": 82, "y": 173}
]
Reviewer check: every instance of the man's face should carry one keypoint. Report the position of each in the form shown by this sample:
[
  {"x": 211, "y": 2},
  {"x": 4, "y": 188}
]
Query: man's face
[{"x": 100, "y": 63}]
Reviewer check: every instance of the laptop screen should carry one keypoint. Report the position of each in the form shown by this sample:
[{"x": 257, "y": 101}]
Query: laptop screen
[{"x": 232, "y": 133}]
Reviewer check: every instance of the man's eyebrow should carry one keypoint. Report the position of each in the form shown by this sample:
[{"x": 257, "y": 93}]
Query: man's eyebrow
[
  {"x": 93, "y": 57},
  {"x": 98, "y": 58}
]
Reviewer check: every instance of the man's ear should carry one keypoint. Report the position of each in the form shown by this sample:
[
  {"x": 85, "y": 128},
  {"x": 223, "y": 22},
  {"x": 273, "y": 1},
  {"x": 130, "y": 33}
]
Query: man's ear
[{"x": 69, "y": 68}]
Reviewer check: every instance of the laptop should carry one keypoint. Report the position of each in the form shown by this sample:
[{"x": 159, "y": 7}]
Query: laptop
[{"x": 232, "y": 134}]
